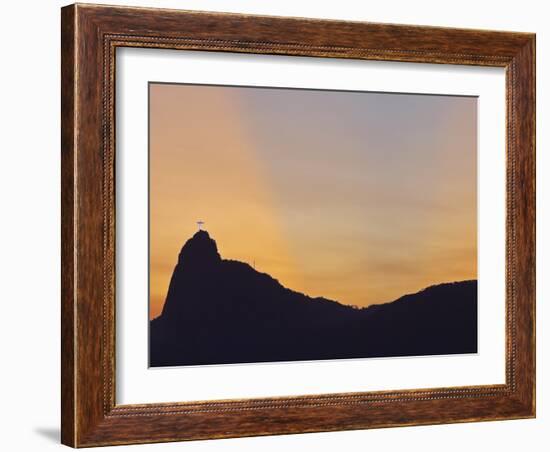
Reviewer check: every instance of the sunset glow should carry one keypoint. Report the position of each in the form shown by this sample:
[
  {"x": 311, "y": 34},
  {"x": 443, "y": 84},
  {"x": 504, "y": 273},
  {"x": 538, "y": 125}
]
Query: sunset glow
[{"x": 356, "y": 197}]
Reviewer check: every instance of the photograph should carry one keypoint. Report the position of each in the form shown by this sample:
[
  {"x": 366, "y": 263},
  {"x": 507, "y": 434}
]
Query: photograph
[
  {"x": 276, "y": 219},
  {"x": 292, "y": 224}
]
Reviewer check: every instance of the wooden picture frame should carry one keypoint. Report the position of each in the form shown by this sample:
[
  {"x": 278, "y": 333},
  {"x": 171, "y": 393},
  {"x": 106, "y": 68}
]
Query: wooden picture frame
[{"x": 90, "y": 35}]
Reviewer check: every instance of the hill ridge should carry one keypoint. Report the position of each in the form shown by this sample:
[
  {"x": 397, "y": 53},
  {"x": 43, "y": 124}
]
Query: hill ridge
[{"x": 225, "y": 311}]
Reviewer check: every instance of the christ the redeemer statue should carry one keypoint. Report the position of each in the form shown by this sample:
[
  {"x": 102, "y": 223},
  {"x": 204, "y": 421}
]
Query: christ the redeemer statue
[{"x": 199, "y": 224}]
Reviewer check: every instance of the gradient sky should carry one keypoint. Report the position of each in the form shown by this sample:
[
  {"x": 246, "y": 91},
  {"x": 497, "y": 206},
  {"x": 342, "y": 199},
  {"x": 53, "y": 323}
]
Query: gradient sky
[{"x": 356, "y": 197}]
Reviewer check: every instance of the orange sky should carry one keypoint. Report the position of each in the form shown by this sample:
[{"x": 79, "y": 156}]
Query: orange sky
[{"x": 357, "y": 197}]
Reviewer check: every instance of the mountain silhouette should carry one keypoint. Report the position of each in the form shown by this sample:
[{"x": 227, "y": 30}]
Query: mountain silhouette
[{"x": 220, "y": 311}]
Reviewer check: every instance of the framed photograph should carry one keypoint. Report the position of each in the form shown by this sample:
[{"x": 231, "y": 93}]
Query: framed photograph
[{"x": 282, "y": 225}]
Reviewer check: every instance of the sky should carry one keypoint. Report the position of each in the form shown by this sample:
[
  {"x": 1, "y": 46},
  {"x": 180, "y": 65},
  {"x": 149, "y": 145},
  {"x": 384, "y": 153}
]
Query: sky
[{"x": 354, "y": 196}]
